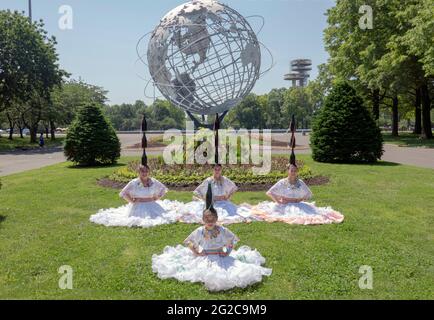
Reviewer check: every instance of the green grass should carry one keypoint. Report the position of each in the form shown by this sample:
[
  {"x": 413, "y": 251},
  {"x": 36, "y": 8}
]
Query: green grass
[
  {"x": 406, "y": 139},
  {"x": 24, "y": 143},
  {"x": 388, "y": 225}
]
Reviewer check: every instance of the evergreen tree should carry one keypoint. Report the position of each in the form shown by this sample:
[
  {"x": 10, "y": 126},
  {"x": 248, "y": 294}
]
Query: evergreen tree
[
  {"x": 91, "y": 139},
  {"x": 344, "y": 130}
]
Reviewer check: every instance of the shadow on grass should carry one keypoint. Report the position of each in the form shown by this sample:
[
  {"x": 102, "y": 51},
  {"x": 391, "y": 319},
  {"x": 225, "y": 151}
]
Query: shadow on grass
[
  {"x": 247, "y": 290},
  {"x": 364, "y": 164},
  {"x": 384, "y": 164},
  {"x": 2, "y": 218},
  {"x": 114, "y": 165},
  {"x": 409, "y": 140}
]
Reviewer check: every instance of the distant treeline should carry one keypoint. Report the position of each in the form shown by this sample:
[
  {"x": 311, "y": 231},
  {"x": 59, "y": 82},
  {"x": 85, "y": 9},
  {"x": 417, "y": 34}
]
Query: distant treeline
[{"x": 271, "y": 110}]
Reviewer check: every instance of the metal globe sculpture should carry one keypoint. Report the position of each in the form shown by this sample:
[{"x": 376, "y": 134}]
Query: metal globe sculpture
[{"x": 204, "y": 57}]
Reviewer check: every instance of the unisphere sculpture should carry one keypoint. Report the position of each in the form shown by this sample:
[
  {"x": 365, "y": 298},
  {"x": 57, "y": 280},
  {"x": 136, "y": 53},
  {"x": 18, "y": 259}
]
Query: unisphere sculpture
[{"x": 204, "y": 57}]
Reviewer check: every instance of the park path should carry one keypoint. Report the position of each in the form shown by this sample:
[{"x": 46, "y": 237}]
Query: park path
[
  {"x": 22, "y": 161},
  {"x": 419, "y": 157}
]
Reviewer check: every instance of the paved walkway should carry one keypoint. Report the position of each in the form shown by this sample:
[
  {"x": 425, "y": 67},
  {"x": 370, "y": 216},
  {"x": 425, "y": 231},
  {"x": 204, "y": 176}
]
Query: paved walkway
[
  {"x": 419, "y": 157},
  {"x": 22, "y": 161}
]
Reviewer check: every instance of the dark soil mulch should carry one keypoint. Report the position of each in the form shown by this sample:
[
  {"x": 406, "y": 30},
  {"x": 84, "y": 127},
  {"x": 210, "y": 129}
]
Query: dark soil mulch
[
  {"x": 315, "y": 181},
  {"x": 151, "y": 144},
  {"x": 156, "y": 144}
]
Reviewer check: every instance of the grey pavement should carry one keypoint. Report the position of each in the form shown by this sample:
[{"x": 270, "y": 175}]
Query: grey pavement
[{"x": 22, "y": 161}]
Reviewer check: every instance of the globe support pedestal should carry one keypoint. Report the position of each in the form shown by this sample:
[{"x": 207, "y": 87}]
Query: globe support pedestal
[{"x": 198, "y": 124}]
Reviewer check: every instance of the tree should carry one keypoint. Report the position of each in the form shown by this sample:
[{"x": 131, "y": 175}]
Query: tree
[
  {"x": 354, "y": 51},
  {"x": 398, "y": 69},
  {"x": 91, "y": 139},
  {"x": 390, "y": 60},
  {"x": 418, "y": 40},
  {"x": 248, "y": 114},
  {"x": 344, "y": 130},
  {"x": 297, "y": 102},
  {"x": 67, "y": 99},
  {"x": 272, "y": 104},
  {"x": 160, "y": 111},
  {"x": 161, "y": 115},
  {"x": 319, "y": 88},
  {"x": 29, "y": 67}
]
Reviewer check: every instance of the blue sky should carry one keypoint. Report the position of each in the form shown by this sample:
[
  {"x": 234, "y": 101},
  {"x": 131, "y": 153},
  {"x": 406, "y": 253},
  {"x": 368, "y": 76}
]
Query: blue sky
[{"x": 101, "y": 47}]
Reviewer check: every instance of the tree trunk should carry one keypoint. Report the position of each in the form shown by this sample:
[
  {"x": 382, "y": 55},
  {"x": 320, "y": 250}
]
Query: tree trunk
[
  {"x": 395, "y": 116},
  {"x": 426, "y": 110},
  {"x": 21, "y": 132},
  {"x": 376, "y": 104},
  {"x": 52, "y": 130},
  {"x": 33, "y": 134},
  {"x": 46, "y": 132},
  {"x": 417, "y": 113},
  {"x": 33, "y": 124},
  {"x": 11, "y": 127}
]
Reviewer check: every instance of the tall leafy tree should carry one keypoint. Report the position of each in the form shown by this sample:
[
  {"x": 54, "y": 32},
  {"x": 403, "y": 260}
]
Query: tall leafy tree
[
  {"x": 248, "y": 114},
  {"x": 29, "y": 68},
  {"x": 419, "y": 44},
  {"x": 272, "y": 104},
  {"x": 393, "y": 59},
  {"x": 74, "y": 94},
  {"x": 354, "y": 51},
  {"x": 298, "y": 103}
]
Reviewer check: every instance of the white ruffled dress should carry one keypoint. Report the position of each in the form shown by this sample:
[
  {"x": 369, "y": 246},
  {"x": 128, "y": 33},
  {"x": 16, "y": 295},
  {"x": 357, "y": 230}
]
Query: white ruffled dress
[
  {"x": 241, "y": 268},
  {"x": 141, "y": 214},
  {"x": 227, "y": 211},
  {"x": 304, "y": 213}
]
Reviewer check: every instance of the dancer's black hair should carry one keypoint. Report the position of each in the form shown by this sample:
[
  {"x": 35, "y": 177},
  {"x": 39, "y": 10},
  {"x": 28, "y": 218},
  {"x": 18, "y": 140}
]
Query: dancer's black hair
[
  {"x": 208, "y": 198},
  {"x": 216, "y": 138},
  {"x": 292, "y": 159},
  {"x": 209, "y": 208},
  {"x": 144, "y": 166},
  {"x": 144, "y": 141}
]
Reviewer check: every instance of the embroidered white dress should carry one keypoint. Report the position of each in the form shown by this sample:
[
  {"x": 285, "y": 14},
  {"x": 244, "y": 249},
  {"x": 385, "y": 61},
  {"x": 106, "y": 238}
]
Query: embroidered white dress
[
  {"x": 295, "y": 213},
  {"x": 140, "y": 214},
  {"x": 240, "y": 268},
  {"x": 227, "y": 211}
]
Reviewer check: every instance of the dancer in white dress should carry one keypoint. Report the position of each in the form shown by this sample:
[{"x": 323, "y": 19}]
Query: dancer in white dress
[
  {"x": 223, "y": 189},
  {"x": 145, "y": 207},
  {"x": 289, "y": 204},
  {"x": 209, "y": 257}
]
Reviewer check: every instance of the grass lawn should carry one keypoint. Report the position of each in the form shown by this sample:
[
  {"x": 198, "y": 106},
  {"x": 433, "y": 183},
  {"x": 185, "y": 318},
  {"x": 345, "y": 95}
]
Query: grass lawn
[
  {"x": 407, "y": 139},
  {"x": 24, "y": 143},
  {"x": 389, "y": 219}
]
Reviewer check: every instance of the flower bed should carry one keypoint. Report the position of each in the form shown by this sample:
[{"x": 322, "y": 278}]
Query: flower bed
[{"x": 187, "y": 177}]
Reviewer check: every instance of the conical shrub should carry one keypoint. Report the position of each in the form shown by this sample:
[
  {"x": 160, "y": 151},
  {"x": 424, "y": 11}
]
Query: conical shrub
[{"x": 344, "y": 130}]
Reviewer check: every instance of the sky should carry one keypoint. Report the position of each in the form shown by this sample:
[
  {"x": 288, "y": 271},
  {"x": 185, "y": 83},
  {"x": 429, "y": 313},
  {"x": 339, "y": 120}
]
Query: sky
[{"x": 101, "y": 46}]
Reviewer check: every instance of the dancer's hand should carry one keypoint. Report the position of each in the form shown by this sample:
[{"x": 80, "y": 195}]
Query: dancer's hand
[
  {"x": 193, "y": 248},
  {"x": 283, "y": 200},
  {"x": 197, "y": 253}
]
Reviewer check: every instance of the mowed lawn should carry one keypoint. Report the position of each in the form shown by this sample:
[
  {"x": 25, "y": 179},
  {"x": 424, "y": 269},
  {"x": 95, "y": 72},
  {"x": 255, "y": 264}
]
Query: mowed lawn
[
  {"x": 407, "y": 139},
  {"x": 18, "y": 143},
  {"x": 389, "y": 219}
]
